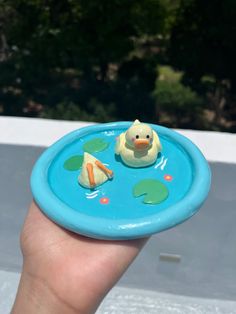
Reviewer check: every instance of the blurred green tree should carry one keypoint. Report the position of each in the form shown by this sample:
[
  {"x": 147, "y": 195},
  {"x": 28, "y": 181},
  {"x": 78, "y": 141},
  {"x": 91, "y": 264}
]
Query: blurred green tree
[
  {"x": 203, "y": 45},
  {"x": 179, "y": 105},
  {"x": 74, "y": 49}
]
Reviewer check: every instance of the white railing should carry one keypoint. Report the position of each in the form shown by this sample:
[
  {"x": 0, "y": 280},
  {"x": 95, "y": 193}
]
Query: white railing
[{"x": 216, "y": 146}]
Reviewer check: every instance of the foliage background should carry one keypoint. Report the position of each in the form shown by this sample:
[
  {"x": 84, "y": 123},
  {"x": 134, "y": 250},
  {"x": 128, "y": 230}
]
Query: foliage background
[{"x": 163, "y": 61}]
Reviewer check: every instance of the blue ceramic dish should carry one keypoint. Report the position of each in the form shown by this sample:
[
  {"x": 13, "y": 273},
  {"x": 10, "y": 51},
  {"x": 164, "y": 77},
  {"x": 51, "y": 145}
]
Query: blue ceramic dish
[{"x": 111, "y": 211}]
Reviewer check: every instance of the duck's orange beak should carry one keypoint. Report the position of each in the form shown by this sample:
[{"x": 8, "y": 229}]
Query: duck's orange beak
[{"x": 141, "y": 144}]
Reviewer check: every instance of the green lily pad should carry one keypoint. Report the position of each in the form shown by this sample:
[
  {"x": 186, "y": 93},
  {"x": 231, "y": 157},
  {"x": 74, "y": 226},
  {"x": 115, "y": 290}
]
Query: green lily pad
[
  {"x": 74, "y": 163},
  {"x": 154, "y": 191},
  {"x": 95, "y": 145}
]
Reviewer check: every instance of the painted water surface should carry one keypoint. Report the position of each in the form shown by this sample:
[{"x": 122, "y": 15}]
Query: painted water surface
[{"x": 115, "y": 199}]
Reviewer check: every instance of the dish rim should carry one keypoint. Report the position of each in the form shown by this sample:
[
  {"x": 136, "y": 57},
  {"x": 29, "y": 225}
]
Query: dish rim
[{"x": 120, "y": 229}]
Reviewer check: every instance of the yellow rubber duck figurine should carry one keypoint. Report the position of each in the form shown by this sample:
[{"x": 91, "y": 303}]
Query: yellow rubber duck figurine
[
  {"x": 93, "y": 172},
  {"x": 138, "y": 146}
]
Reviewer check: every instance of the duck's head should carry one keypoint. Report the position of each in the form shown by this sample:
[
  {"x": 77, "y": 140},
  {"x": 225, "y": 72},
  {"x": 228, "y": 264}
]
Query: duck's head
[{"x": 139, "y": 136}]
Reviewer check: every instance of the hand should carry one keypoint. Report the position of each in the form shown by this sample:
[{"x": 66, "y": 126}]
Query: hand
[{"x": 64, "y": 272}]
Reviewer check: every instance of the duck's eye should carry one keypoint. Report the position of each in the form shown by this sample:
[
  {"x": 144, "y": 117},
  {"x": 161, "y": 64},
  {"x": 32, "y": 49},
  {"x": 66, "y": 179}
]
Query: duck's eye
[
  {"x": 137, "y": 136},
  {"x": 148, "y": 136}
]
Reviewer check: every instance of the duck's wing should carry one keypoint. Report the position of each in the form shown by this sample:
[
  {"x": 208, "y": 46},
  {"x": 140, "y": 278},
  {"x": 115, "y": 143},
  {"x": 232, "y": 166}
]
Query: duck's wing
[
  {"x": 156, "y": 140},
  {"x": 120, "y": 142}
]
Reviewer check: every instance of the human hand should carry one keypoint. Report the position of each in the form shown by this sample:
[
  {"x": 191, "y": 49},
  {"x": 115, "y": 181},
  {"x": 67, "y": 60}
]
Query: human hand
[{"x": 64, "y": 272}]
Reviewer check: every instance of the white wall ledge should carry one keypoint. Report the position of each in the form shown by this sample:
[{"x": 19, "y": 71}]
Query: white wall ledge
[{"x": 216, "y": 146}]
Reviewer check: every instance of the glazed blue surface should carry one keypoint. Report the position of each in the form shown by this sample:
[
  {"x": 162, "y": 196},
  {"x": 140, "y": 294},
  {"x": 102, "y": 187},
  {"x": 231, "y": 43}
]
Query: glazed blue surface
[{"x": 59, "y": 195}]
